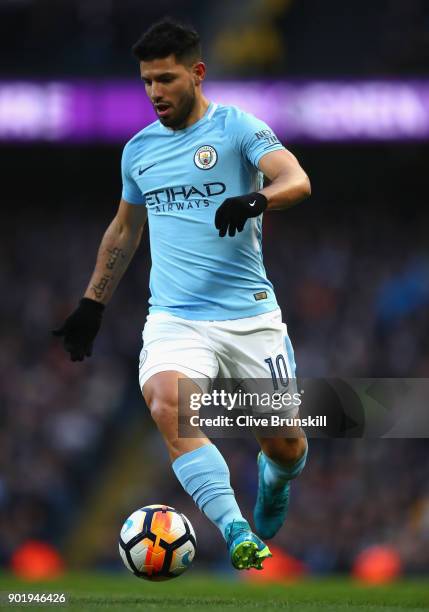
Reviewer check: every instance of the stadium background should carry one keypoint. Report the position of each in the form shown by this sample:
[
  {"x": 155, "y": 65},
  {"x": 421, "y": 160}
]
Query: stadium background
[{"x": 78, "y": 451}]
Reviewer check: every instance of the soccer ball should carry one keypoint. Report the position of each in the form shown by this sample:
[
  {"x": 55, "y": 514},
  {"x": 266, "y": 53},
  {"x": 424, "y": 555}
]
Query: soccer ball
[{"x": 157, "y": 543}]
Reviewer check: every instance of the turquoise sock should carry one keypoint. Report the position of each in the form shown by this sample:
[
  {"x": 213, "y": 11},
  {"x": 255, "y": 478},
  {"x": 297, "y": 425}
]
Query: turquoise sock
[
  {"x": 204, "y": 474},
  {"x": 276, "y": 475}
]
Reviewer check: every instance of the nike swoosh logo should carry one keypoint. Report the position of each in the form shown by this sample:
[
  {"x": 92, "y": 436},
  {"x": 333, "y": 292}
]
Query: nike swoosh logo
[
  {"x": 147, "y": 168},
  {"x": 252, "y": 203}
]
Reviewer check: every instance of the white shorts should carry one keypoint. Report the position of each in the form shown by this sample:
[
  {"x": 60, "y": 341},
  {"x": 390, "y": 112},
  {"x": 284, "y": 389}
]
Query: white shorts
[{"x": 251, "y": 348}]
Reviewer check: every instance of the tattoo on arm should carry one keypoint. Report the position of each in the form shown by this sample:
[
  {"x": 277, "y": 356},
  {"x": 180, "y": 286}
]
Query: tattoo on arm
[
  {"x": 113, "y": 257},
  {"x": 100, "y": 287}
]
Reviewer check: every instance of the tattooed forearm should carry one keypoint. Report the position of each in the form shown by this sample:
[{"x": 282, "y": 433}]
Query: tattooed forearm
[
  {"x": 100, "y": 288},
  {"x": 113, "y": 257},
  {"x": 115, "y": 252}
]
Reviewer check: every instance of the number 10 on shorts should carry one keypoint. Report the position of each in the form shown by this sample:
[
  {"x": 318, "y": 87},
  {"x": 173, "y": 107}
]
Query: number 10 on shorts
[{"x": 278, "y": 370}]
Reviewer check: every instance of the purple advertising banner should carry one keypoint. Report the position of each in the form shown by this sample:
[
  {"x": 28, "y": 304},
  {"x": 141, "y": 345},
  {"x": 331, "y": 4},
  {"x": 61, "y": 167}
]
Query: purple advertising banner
[{"x": 299, "y": 111}]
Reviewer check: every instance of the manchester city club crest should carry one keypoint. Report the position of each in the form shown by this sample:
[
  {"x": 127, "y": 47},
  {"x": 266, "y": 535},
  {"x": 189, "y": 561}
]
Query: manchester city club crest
[{"x": 205, "y": 157}]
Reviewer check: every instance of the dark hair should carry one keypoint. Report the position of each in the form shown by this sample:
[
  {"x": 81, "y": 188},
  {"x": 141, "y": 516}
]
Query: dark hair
[{"x": 168, "y": 37}]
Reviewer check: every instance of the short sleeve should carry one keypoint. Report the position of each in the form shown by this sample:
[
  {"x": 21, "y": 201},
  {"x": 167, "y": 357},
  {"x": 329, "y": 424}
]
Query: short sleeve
[
  {"x": 130, "y": 190},
  {"x": 252, "y": 137}
]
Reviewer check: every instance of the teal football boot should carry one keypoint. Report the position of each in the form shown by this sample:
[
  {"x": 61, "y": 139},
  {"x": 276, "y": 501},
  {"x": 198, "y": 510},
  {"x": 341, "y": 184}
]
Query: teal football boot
[{"x": 245, "y": 548}]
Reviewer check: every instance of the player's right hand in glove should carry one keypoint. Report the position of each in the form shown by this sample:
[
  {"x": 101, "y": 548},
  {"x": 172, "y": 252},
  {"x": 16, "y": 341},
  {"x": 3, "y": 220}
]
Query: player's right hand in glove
[{"x": 80, "y": 329}]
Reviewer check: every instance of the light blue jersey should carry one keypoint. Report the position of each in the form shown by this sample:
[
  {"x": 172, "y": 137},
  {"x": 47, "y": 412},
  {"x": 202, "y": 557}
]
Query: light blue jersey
[{"x": 182, "y": 177}]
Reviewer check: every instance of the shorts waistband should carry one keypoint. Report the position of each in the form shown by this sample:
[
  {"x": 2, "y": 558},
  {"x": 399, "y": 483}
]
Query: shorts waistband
[{"x": 169, "y": 317}]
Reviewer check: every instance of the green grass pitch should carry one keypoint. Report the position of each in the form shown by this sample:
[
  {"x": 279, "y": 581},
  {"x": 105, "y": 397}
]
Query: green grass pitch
[{"x": 119, "y": 592}]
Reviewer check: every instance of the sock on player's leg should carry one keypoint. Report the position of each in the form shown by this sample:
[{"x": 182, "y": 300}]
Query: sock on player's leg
[
  {"x": 204, "y": 474},
  {"x": 276, "y": 475}
]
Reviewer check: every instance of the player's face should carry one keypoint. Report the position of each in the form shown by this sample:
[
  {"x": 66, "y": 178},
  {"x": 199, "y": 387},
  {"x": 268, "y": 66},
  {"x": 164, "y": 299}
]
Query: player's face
[{"x": 171, "y": 88}]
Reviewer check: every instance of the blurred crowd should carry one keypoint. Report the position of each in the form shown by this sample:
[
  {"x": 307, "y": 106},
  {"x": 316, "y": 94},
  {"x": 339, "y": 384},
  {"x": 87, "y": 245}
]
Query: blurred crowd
[
  {"x": 252, "y": 38},
  {"x": 55, "y": 415},
  {"x": 356, "y": 305}
]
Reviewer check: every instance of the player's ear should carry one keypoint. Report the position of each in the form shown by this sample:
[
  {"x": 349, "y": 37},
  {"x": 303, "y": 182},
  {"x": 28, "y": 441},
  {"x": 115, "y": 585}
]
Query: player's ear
[{"x": 199, "y": 72}]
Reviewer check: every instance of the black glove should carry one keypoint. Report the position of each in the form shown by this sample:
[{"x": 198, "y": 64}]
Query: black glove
[
  {"x": 80, "y": 328},
  {"x": 234, "y": 212}
]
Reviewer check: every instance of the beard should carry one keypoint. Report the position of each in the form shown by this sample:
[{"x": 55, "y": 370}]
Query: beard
[{"x": 184, "y": 108}]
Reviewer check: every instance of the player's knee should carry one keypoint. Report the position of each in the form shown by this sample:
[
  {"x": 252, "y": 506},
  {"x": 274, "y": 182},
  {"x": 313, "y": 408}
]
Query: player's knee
[
  {"x": 284, "y": 450},
  {"x": 163, "y": 411}
]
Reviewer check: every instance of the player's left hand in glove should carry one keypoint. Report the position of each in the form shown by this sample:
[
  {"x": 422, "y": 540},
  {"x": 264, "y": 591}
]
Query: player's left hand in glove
[
  {"x": 80, "y": 329},
  {"x": 233, "y": 213}
]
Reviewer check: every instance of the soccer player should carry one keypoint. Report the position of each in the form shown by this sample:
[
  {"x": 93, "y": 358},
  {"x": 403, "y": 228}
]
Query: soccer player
[{"x": 197, "y": 174}]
